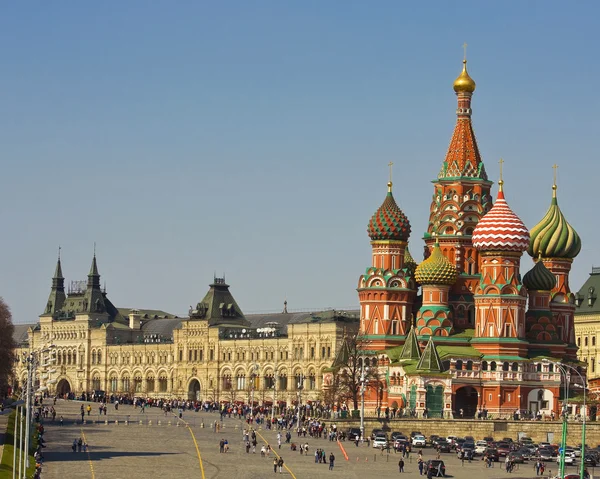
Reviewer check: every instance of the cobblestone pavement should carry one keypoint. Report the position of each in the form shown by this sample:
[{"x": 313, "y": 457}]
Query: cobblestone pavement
[{"x": 151, "y": 450}]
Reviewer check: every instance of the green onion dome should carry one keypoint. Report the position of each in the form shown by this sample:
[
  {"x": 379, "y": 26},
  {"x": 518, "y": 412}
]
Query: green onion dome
[
  {"x": 436, "y": 269},
  {"x": 389, "y": 222},
  {"x": 539, "y": 278},
  {"x": 554, "y": 237}
]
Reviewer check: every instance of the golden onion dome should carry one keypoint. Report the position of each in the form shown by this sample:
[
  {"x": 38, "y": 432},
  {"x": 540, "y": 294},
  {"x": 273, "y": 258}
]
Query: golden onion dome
[
  {"x": 436, "y": 269},
  {"x": 464, "y": 82}
]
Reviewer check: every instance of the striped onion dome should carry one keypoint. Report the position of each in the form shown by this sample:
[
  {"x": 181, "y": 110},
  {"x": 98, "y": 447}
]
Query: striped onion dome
[
  {"x": 539, "y": 278},
  {"x": 554, "y": 237},
  {"x": 436, "y": 269},
  {"x": 389, "y": 222},
  {"x": 501, "y": 229}
]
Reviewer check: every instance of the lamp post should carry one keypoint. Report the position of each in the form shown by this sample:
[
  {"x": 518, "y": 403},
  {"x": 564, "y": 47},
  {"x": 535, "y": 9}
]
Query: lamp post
[
  {"x": 563, "y": 368},
  {"x": 253, "y": 370},
  {"x": 363, "y": 379},
  {"x": 300, "y": 387}
]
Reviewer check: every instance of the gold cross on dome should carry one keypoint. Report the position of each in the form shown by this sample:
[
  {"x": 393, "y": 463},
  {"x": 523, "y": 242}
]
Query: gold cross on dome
[
  {"x": 390, "y": 164},
  {"x": 501, "y": 165},
  {"x": 465, "y": 49},
  {"x": 555, "y": 168}
]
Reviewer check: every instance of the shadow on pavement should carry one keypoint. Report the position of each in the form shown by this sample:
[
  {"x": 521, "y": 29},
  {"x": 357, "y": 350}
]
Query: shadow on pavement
[{"x": 98, "y": 455}]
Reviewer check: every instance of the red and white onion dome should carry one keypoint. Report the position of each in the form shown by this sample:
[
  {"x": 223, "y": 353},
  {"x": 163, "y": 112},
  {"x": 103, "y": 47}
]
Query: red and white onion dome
[{"x": 501, "y": 229}]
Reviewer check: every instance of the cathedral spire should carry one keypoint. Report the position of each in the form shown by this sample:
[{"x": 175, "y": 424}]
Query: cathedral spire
[
  {"x": 463, "y": 159},
  {"x": 57, "y": 295}
]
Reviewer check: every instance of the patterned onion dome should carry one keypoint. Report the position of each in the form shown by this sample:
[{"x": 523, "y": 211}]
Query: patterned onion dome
[
  {"x": 409, "y": 261},
  {"x": 554, "y": 237},
  {"x": 436, "y": 269},
  {"x": 539, "y": 278},
  {"x": 389, "y": 222},
  {"x": 501, "y": 229}
]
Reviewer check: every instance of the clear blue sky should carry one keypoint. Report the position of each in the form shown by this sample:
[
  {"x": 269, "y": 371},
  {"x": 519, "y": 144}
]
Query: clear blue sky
[{"x": 252, "y": 138}]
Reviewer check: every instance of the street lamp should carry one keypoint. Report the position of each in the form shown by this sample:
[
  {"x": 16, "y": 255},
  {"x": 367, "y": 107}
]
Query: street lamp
[
  {"x": 300, "y": 387},
  {"x": 363, "y": 379},
  {"x": 563, "y": 368}
]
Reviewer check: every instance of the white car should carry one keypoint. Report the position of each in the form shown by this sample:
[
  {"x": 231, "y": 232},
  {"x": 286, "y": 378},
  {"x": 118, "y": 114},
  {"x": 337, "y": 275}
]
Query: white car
[
  {"x": 480, "y": 447},
  {"x": 418, "y": 441},
  {"x": 380, "y": 441},
  {"x": 452, "y": 439},
  {"x": 569, "y": 459}
]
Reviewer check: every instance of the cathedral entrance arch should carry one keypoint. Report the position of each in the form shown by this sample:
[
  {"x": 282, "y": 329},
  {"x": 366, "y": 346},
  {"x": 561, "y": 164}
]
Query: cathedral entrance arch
[
  {"x": 194, "y": 390},
  {"x": 465, "y": 398},
  {"x": 63, "y": 387},
  {"x": 434, "y": 400}
]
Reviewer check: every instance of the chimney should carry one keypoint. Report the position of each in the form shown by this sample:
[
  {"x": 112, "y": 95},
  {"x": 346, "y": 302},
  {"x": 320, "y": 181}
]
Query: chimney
[{"x": 135, "y": 319}]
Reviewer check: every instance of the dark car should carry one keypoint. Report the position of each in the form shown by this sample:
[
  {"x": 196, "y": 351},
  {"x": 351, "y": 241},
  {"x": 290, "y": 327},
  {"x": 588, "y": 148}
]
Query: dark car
[
  {"x": 437, "y": 467},
  {"x": 415, "y": 433},
  {"x": 590, "y": 460},
  {"x": 508, "y": 440},
  {"x": 492, "y": 454},
  {"x": 516, "y": 457},
  {"x": 353, "y": 434},
  {"x": 444, "y": 446},
  {"x": 395, "y": 435},
  {"x": 433, "y": 439},
  {"x": 375, "y": 432},
  {"x": 488, "y": 439},
  {"x": 545, "y": 454}
]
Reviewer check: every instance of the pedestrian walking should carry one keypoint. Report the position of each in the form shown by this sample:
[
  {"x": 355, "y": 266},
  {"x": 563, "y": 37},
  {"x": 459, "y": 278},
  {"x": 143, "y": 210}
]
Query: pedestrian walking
[
  {"x": 280, "y": 464},
  {"x": 401, "y": 465},
  {"x": 331, "y": 461},
  {"x": 275, "y": 461}
]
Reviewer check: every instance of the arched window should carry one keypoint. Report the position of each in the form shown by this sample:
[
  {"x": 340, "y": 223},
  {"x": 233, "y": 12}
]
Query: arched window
[
  {"x": 579, "y": 342},
  {"x": 593, "y": 340},
  {"x": 96, "y": 382},
  {"x": 69, "y": 357},
  {"x": 493, "y": 366},
  {"x": 515, "y": 367},
  {"x": 484, "y": 366},
  {"x": 551, "y": 368},
  {"x": 150, "y": 383},
  {"x": 469, "y": 365},
  {"x": 114, "y": 384},
  {"x": 162, "y": 383},
  {"x": 505, "y": 366},
  {"x": 137, "y": 384},
  {"x": 93, "y": 357},
  {"x": 538, "y": 367},
  {"x": 585, "y": 340},
  {"x": 458, "y": 365},
  {"x": 126, "y": 384}
]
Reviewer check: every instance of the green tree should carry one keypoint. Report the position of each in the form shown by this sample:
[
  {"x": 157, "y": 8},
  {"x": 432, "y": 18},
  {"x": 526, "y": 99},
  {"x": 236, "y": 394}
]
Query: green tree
[{"x": 7, "y": 346}]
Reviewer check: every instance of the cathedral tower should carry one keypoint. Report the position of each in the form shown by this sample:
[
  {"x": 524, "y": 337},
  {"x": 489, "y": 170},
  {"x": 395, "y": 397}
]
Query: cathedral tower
[
  {"x": 461, "y": 197},
  {"x": 556, "y": 243},
  {"x": 387, "y": 289},
  {"x": 500, "y": 299}
]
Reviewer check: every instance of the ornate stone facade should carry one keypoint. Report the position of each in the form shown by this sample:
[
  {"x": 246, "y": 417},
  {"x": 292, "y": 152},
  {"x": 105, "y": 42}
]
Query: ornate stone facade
[{"x": 215, "y": 354}]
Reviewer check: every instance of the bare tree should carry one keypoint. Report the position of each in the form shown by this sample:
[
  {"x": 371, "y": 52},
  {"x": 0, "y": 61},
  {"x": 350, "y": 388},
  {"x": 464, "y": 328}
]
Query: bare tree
[
  {"x": 347, "y": 380},
  {"x": 7, "y": 346}
]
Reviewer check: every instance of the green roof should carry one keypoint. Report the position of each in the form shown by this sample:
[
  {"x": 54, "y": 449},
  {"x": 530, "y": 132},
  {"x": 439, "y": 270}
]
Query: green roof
[
  {"x": 430, "y": 360},
  {"x": 458, "y": 351},
  {"x": 411, "y": 349},
  {"x": 146, "y": 313}
]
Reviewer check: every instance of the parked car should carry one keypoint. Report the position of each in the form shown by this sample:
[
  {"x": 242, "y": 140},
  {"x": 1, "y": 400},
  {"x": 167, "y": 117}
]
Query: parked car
[
  {"x": 480, "y": 447},
  {"x": 492, "y": 454},
  {"x": 590, "y": 460},
  {"x": 353, "y": 434},
  {"x": 437, "y": 467},
  {"x": 444, "y": 446},
  {"x": 416, "y": 433},
  {"x": 375, "y": 432},
  {"x": 568, "y": 459},
  {"x": 516, "y": 457},
  {"x": 395, "y": 435},
  {"x": 503, "y": 448},
  {"x": 545, "y": 454},
  {"x": 488, "y": 439},
  {"x": 418, "y": 441},
  {"x": 380, "y": 441}
]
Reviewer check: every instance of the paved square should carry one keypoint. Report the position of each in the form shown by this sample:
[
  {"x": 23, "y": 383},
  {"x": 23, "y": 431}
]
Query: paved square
[{"x": 141, "y": 451}]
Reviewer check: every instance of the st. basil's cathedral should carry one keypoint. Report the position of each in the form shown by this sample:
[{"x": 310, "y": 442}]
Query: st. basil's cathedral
[{"x": 481, "y": 336}]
